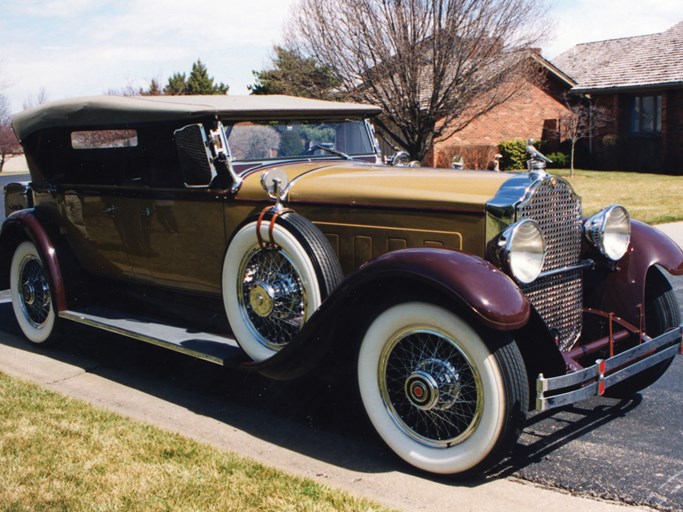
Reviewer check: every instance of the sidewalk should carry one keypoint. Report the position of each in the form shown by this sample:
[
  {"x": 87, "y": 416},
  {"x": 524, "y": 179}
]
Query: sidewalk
[{"x": 674, "y": 230}]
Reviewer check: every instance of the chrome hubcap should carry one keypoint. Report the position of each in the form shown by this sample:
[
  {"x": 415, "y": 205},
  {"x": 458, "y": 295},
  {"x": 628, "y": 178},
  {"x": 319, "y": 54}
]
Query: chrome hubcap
[{"x": 434, "y": 385}]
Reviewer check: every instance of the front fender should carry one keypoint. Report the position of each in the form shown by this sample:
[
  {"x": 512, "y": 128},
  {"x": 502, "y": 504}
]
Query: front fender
[
  {"x": 468, "y": 284},
  {"x": 622, "y": 291},
  {"x": 23, "y": 225}
]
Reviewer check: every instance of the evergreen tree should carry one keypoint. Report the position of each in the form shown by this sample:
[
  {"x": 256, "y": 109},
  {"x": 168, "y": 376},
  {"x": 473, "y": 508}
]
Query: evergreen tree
[
  {"x": 177, "y": 84},
  {"x": 295, "y": 75},
  {"x": 199, "y": 81},
  {"x": 154, "y": 89}
]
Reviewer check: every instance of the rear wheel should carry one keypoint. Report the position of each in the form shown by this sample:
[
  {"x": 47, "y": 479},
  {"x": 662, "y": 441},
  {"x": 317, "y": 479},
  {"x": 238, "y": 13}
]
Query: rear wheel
[
  {"x": 31, "y": 296},
  {"x": 441, "y": 397},
  {"x": 662, "y": 313}
]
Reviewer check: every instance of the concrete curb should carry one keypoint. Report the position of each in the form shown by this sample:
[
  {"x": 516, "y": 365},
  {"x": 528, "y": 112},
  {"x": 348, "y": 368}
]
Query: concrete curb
[{"x": 86, "y": 380}]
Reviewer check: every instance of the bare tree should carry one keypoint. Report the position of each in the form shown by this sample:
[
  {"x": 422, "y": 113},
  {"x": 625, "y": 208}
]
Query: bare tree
[
  {"x": 35, "y": 100},
  {"x": 9, "y": 145},
  {"x": 582, "y": 120},
  {"x": 432, "y": 65}
]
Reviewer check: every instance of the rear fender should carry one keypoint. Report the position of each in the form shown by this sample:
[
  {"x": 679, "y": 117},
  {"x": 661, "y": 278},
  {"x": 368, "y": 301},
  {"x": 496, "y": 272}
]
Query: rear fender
[
  {"x": 23, "y": 225},
  {"x": 623, "y": 290},
  {"x": 467, "y": 284}
]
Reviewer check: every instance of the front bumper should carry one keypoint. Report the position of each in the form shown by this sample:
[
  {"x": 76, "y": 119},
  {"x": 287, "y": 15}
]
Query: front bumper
[{"x": 593, "y": 381}]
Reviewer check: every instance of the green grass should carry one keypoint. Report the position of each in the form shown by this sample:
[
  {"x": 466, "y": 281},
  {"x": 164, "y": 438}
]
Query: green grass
[
  {"x": 651, "y": 198},
  {"x": 60, "y": 454}
]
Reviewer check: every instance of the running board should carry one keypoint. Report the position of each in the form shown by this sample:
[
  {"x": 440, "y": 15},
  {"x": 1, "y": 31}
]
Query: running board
[{"x": 209, "y": 347}]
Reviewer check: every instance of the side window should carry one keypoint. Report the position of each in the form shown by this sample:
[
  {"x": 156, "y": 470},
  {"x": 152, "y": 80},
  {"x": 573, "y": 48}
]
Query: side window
[
  {"x": 646, "y": 115},
  {"x": 101, "y": 157},
  {"x": 104, "y": 139}
]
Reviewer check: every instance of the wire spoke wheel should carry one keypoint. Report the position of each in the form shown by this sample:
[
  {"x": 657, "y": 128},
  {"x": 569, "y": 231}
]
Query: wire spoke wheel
[
  {"x": 271, "y": 289},
  {"x": 443, "y": 398},
  {"x": 432, "y": 389},
  {"x": 273, "y": 297},
  {"x": 35, "y": 291},
  {"x": 31, "y": 296}
]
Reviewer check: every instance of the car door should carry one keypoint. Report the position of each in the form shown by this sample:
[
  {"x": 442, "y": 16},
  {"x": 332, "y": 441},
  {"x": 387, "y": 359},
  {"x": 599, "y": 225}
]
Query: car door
[{"x": 182, "y": 237}]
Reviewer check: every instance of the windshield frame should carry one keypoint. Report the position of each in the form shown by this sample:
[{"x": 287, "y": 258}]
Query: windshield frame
[{"x": 367, "y": 133}]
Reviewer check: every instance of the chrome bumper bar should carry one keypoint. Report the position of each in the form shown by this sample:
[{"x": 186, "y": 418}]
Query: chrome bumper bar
[{"x": 594, "y": 380}]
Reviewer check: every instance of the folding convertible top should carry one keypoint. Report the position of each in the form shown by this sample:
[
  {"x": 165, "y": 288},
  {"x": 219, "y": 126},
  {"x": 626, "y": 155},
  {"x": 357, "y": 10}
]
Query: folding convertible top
[{"x": 118, "y": 111}]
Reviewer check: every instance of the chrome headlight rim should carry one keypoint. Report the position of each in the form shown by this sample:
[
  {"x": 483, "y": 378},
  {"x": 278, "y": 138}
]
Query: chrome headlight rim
[
  {"x": 609, "y": 231},
  {"x": 521, "y": 251}
]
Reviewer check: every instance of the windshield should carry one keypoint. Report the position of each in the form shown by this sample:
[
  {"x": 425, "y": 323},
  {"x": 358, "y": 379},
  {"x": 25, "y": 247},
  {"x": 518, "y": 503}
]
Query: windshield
[{"x": 254, "y": 141}]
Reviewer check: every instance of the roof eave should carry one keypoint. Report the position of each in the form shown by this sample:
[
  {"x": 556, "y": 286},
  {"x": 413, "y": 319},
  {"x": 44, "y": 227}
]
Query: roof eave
[
  {"x": 552, "y": 68},
  {"x": 628, "y": 88}
]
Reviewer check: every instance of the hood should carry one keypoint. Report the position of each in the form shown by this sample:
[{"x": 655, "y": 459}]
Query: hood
[{"x": 363, "y": 185}]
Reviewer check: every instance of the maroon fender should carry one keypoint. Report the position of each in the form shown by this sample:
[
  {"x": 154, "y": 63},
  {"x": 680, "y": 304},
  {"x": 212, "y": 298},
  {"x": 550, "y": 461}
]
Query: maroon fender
[
  {"x": 25, "y": 223},
  {"x": 622, "y": 291},
  {"x": 469, "y": 282},
  {"x": 489, "y": 293}
]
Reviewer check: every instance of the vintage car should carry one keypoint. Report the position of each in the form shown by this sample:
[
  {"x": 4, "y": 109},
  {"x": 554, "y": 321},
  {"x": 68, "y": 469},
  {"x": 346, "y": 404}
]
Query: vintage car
[{"x": 265, "y": 234}]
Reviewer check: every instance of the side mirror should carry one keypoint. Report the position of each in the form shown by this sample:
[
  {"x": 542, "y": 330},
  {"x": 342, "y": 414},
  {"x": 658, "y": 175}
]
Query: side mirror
[{"x": 196, "y": 162}]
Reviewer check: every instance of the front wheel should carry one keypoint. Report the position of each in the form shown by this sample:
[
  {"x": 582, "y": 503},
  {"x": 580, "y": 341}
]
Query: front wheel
[
  {"x": 441, "y": 397},
  {"x": 31, "y": 297}
]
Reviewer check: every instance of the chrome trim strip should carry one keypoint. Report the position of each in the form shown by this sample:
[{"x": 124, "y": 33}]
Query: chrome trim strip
[
  {"x": 660, "y": 348},
  {"x": 78, "y": 318},
  {"x": 579, "y": 266}
]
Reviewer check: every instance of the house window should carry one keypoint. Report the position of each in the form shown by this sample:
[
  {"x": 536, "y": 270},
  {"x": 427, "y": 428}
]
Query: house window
[{"x": 646, "y": 115}]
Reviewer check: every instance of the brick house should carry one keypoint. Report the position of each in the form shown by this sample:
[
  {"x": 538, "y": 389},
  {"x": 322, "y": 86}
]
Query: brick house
[
  {"x": 639, "y": 81},
  {"x": 533, "y": 113}
]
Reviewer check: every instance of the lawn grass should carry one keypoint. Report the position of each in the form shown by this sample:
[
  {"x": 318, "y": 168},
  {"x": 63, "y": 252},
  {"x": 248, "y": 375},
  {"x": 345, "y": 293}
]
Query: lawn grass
[
  {"x": 651, "y": 198},
  {"x": 60, "y": 454}
]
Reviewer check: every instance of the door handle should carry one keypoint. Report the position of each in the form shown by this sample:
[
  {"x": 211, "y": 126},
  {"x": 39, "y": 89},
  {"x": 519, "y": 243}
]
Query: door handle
[{"x": 111, "y": 211}]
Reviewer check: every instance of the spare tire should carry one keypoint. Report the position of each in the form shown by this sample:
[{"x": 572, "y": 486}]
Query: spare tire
[{"x": 271, "y": 289}]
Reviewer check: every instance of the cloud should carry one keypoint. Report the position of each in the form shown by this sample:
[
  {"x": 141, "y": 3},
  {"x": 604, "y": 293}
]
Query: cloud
[{"x": 90, "y": 46}]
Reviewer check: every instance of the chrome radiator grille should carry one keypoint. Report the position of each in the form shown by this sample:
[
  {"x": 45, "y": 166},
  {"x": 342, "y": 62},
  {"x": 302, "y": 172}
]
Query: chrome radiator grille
[{"x": 557, "y": 298}]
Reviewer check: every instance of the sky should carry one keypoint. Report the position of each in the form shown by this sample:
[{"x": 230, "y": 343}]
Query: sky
[{"x": 86, "y": 47}]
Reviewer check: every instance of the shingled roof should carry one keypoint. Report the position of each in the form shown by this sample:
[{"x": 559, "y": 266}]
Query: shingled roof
[{"x": 627, "y": 63}]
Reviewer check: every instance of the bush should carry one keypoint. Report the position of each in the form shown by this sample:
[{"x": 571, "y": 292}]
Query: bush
[
  {"x": 514, "y": 154},
  {"x": 474, "y": 156},
  {"x": 560, "y": 160}
]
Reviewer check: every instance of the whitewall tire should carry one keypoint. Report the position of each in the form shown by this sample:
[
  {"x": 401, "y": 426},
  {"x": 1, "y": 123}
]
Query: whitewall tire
[
  {"x": 269, "y": 293},
  {"x": 435, "y": 392},
  {"x": 31, "y": 296}
]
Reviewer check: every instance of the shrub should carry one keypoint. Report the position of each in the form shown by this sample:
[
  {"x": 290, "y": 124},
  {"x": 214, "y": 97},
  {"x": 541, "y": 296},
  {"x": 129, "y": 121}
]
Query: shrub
[
  {"x": 560, "y": 160},
  {"x": 474, "y": 156},
  {"x": 514, "y": 154}
]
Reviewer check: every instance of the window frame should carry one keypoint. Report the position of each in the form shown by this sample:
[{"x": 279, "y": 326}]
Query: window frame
[{"x": 645, "y": 115}]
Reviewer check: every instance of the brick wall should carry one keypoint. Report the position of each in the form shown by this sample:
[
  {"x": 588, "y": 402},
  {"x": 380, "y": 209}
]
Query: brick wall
[{"x": 533, "y": 113}]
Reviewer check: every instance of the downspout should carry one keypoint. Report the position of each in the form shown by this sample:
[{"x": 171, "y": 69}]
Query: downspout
[{"x": 590, "y": 126}]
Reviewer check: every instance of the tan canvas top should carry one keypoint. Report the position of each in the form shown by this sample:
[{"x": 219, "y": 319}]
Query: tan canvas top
[{"x": 104, "y": 111}]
